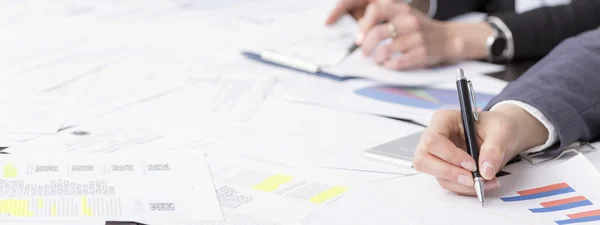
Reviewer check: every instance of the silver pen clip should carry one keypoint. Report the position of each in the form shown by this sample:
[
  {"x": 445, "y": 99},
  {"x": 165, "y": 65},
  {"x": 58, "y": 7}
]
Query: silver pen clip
[{"x": 473, "y": 101}]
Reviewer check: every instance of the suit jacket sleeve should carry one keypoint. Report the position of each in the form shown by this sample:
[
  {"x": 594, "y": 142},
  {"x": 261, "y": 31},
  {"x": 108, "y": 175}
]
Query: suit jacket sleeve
[
  {"x": 536, "y": 32},
  {"x": 447, "y": 9},
  {"x": 565, "y": 87}
]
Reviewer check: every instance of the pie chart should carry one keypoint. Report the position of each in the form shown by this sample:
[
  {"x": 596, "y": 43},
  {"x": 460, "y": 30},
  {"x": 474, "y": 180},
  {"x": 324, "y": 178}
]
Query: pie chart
[{"x": 427, "y": 98}]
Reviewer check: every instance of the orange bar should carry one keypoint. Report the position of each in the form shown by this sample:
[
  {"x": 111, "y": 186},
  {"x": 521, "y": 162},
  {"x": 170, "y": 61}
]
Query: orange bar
[
  {"x": 563, "y": 201},
  {"x": 585, "y": 214},
  {"x": 543, "y": 189}
]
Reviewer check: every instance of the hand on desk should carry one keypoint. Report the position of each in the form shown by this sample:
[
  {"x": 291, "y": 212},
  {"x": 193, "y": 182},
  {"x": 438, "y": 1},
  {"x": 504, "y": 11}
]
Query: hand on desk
[
  {"x": 420, "y": 40},
  {"x": 416, "y": 41},
  {"x": 502, "y": 134}
]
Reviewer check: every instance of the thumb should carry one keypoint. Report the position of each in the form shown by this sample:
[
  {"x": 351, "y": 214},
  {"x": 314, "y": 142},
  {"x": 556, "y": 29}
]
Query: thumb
[{"x": 491, "y": 157}]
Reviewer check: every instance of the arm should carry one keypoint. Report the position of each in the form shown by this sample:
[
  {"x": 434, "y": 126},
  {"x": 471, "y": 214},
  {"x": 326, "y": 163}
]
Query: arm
[
  {"x": 536, "y": 32},
  {"x": 564, "y": 87},
  {"x": 426, "y": 42}
]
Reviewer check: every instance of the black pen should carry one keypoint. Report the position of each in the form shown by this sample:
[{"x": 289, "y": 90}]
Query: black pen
[
  {"x": 469, "y": 114},
  {"x": 352, "y": 48}
]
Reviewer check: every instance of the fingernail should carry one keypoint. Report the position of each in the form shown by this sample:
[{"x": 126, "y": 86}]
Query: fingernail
[
  {"x": 465, "y": 180},
  {"x": 359, "y": 38},
  {"x": 488, "y": 170},
  {"x": 468, "y": 165}
]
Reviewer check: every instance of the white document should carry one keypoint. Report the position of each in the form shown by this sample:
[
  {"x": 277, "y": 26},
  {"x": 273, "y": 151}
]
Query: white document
[
  {"x": 562, "y": 193},
  {"x": 120, "y": 137},
  {"x": 110, "y": 187},
  {"x": 356, "y": 65},
  {"x": 64, "y": 70},
  {"x": 90, "y": 10},
  {"x": 252, "y": 190},
  {"x": 53, "y": 223},
  {"x": 51, "y": 69},
  {"x": 125, "y": 84},
  {"x": 413, "y": 103},
  {"x": 322, "y": 45},
  {"x": 12, "y": 139},
  {"x": 278, "y": 11},
  {"x": 33, "y": 113},
  {"x": 228, "y": 98},
  {"x": 176, "y": 95},
  {"x": 302, "y": 134}
]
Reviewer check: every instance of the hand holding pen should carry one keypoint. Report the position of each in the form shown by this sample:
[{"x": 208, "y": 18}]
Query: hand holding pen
[
  {"x": 499, "y": 135},
  {"x": 469, "y": 116},
  {"x": 415, "y": 39}
]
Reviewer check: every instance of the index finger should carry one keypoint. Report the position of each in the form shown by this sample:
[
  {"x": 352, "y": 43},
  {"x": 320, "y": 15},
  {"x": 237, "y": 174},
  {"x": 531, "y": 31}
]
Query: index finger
[
  {"x": 340, "y": 9},
  {"x": 445, "y": 122}
]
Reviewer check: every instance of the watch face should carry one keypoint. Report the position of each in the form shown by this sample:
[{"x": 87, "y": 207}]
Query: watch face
[{"x": 498, "y": 47}]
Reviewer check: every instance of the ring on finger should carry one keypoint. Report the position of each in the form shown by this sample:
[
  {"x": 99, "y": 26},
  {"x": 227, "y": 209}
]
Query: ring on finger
[{"x": 393, "y": 32}]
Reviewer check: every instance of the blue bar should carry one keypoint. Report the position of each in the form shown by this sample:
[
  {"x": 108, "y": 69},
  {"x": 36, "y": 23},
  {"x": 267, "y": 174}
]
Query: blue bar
[
  {"x": 562, "y": 207},
  {"x": 538, "y": 195},
  {"x": 578, "y": 220}
]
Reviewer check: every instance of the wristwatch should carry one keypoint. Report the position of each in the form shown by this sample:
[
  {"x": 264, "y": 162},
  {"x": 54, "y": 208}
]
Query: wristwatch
[{"x": 499, "y": 45}]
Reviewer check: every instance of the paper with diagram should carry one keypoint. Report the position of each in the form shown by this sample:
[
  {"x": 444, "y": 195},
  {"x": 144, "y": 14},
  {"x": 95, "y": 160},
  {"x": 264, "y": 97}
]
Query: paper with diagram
[
  {"x": 397, "y": 101},
  {"x": 115, "y": 187},
  {"x": 564, "y": 193}
]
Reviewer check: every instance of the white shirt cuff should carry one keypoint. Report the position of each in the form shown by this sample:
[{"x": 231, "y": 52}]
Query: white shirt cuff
[{"x": 552, "y": 135}]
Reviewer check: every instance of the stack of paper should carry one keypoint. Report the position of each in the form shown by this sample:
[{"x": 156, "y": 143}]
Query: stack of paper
[{"x": 112, "y": 110}]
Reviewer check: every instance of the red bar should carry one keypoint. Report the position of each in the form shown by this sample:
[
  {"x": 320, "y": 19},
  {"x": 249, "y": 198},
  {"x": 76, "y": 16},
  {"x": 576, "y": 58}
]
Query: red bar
[
  {"x": 585, "y": 214},
  {"x": 543, "y": 189},
  {"x": 563, "y": 201}
]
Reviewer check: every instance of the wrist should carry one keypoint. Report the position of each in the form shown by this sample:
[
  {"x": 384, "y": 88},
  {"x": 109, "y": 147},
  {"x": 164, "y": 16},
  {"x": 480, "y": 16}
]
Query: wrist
[
  {"x": 530, "y": 132},
  {"x": 467, "y": 40}
]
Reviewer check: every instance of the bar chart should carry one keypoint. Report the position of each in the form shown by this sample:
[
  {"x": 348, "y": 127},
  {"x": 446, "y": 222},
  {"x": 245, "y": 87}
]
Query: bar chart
[{"x": 558, "y": 205}]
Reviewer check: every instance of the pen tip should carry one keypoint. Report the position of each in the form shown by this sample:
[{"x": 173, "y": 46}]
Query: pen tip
[
  {"x": 479, "y": 189},
  {"x": 460, "y": 74}
]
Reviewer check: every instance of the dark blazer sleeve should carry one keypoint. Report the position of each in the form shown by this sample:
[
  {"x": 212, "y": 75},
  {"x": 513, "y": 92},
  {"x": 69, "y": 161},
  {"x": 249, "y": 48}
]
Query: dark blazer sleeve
[
  {"x": 536, "y": 32},
  {"x": 447, "y": 9},
  {"x": 565, "y": 87}
]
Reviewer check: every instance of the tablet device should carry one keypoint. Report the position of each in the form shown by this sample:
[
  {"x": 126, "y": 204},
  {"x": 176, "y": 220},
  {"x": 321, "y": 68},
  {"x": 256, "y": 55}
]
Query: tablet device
[{"x": 398, "y": 152}]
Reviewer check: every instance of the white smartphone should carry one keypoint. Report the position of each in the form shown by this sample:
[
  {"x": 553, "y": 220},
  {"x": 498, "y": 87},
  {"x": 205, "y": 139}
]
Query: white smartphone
[{"x": 398, "y": 152}]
